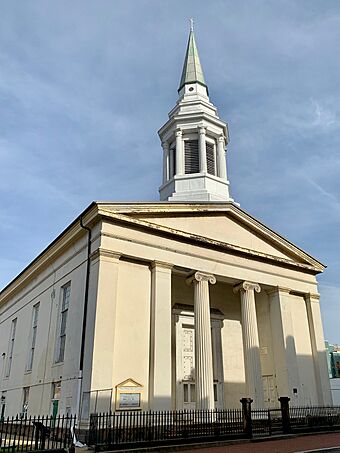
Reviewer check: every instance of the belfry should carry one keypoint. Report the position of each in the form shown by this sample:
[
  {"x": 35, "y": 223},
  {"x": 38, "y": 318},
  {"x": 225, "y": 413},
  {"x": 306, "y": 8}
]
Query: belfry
[{"x": 194, "y": 140}]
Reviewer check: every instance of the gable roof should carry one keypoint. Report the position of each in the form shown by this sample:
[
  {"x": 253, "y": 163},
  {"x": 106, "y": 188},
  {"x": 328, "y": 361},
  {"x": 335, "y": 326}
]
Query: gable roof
[
  {"x": 138, "y": 213},
  {"x": 131, "y": 214}
]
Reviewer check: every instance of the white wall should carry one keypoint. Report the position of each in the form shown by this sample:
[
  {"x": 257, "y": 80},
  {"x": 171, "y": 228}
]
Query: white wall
[{"x": 45, "y": 289}]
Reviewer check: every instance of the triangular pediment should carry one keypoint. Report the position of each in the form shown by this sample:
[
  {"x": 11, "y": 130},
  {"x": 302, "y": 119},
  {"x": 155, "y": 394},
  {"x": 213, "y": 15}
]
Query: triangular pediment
[
  {"x": 129, "y": 383},
  {"x": 217, "y": 223}
]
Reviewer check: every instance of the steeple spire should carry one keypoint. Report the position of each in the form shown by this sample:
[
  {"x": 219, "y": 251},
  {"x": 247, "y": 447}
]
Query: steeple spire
[
  {"x": 194, "y": 140},
  {"x": 192, "y": 69}
]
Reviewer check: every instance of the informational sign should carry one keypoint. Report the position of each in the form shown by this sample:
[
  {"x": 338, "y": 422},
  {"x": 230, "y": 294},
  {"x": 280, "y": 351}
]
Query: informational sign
[
  {"x": 129, "y": 400},
  {"x": 129, "y": 395}
]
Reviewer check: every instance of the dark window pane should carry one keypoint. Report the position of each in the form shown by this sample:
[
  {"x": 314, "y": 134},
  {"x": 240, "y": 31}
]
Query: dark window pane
[
  {"x": 210, "y": 158},
  {"x": 191, "y": 156}
]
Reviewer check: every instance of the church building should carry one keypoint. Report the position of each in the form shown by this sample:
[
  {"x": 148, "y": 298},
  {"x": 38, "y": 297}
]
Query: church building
[{"x": 185, "y": 303}]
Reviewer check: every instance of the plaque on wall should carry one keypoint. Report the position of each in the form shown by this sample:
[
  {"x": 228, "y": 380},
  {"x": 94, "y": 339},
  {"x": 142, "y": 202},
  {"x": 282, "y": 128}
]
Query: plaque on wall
[{"x": 129, "y": 395}]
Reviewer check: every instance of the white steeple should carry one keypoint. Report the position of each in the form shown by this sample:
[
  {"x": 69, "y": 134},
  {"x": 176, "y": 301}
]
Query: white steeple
[{"x": 194, "y": 140}]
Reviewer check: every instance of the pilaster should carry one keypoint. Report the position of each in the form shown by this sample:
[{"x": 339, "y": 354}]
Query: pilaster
[
  {"x": 160, "y": 337},
  {"x": 318, "y": 349},
  {"x": 284, "y": 350},
  {"x": 102, "y": 309}
]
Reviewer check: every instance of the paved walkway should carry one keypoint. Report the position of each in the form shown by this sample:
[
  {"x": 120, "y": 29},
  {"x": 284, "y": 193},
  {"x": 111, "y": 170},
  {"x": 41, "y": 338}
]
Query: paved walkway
[{"x": 316, "y": 442}]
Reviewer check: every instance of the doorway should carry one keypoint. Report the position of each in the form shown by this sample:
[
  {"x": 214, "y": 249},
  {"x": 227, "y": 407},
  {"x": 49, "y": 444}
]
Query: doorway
[
  {"x": 185, "y": 361},
  {"x": 270, "y": 392}
]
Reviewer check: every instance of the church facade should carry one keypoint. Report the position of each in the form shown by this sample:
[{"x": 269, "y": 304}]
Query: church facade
[{"x": 185, "y": 303}]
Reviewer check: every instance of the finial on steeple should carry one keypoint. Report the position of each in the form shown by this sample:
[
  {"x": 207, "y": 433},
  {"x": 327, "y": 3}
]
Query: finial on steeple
[{"x": 191, "y": 24}]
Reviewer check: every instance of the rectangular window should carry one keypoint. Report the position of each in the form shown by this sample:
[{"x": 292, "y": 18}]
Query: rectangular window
[
  {"x": 61, "y": 340},
  {"x": 33, "y": 337},
  {"x": 11, "y": 348},
  {"x": 172, "y": 162},
  {"x": 56, "y": 390},
  {"x": 210, "y": 158},
  {"x": 191, "y": 158},
  {"x": 3, "y": 405},
  {"x": 25, "y": 396}
]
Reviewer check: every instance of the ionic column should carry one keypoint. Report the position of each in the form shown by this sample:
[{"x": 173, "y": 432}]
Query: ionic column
[
  {"x": 251, "y": 345},
  {"x": 203, "y": 349},
  {"x": 166, "y": 162},
  {"x": 202, "y": 150},
  {"x": 318, "y": 349},
  {"x": 221, "y": 163},
  {"x": 179, "y": 153}
]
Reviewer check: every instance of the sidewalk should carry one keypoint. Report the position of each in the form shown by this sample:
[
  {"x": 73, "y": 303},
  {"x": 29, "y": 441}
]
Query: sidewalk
[{"x": 288, "y": 445}]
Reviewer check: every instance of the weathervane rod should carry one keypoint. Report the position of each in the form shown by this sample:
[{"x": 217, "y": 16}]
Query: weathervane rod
[{"x": 191, "y": 24}]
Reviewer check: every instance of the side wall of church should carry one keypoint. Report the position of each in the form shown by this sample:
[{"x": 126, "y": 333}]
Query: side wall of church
[{"x": 45, "y": 291}]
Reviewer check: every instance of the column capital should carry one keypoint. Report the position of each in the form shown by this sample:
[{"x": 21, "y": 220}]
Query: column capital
[
  {"x": 221, "y": 139},
  {"x": 201, "y": 277},
  {"x": 277, "y": 290},
  {"x": 105, "y": 253},
  {"x": 312, "y": 297},
  {"x": 247, "y": 286},
  {"x": 161, "y": 265},
  {"x": 165, "y": 145},
  {"x": 178, "y": 133},
  {"x": 202, "y": 130}
]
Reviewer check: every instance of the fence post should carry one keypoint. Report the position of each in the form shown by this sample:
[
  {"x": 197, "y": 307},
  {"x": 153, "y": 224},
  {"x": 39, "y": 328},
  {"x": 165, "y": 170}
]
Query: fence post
[
  {"x": 247, "y": 423},
  {"x": 284, "y": 401}
]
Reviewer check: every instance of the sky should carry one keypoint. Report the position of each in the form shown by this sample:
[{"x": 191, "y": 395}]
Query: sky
[{"x": 85, "y": 85}]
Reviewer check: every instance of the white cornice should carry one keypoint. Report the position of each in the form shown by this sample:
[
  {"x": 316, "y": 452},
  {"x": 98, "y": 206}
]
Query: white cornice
[
  {"x": 217, "y": 207},
  {"x": 166, "y": 208}
]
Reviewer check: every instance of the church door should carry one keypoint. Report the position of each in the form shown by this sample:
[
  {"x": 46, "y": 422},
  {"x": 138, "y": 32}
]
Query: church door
[
  {"x": 269, "y": 391},
  {"x": 185, "y": 362}
]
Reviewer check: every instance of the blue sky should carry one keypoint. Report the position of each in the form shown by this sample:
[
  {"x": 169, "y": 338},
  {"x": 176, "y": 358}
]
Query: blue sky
[{"x": 85, "y": 85}]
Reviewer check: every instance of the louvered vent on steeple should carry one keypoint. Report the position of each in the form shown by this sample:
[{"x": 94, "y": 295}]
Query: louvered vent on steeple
[
  {"x": 191, "y": 156},
  {"x": 210, "y": 158}
]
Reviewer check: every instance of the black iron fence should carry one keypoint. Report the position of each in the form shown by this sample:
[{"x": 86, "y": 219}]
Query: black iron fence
[
  {"x": 36, "y": 433},
  {"x": 314, "y": 417},
  {"x": 163, "y": 426},
  {"x": 128, "y": 429}
]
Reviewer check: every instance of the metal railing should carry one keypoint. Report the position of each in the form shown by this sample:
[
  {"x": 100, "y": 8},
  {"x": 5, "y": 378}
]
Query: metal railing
[
  {"x": 164, "y": 426},
  {"x": 36, "y": 433},
  {"x": 302, "y": 418},
  {"x": 131, "y": 428}
]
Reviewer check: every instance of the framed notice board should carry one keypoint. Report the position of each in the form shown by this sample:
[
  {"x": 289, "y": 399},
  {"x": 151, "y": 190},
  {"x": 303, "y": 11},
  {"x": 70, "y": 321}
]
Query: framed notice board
[{"x": 129, "y": 395}]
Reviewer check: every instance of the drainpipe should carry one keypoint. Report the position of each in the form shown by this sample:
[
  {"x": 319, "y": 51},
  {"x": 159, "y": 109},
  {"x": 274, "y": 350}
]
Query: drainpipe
[{"x": 86, "y": 297}]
